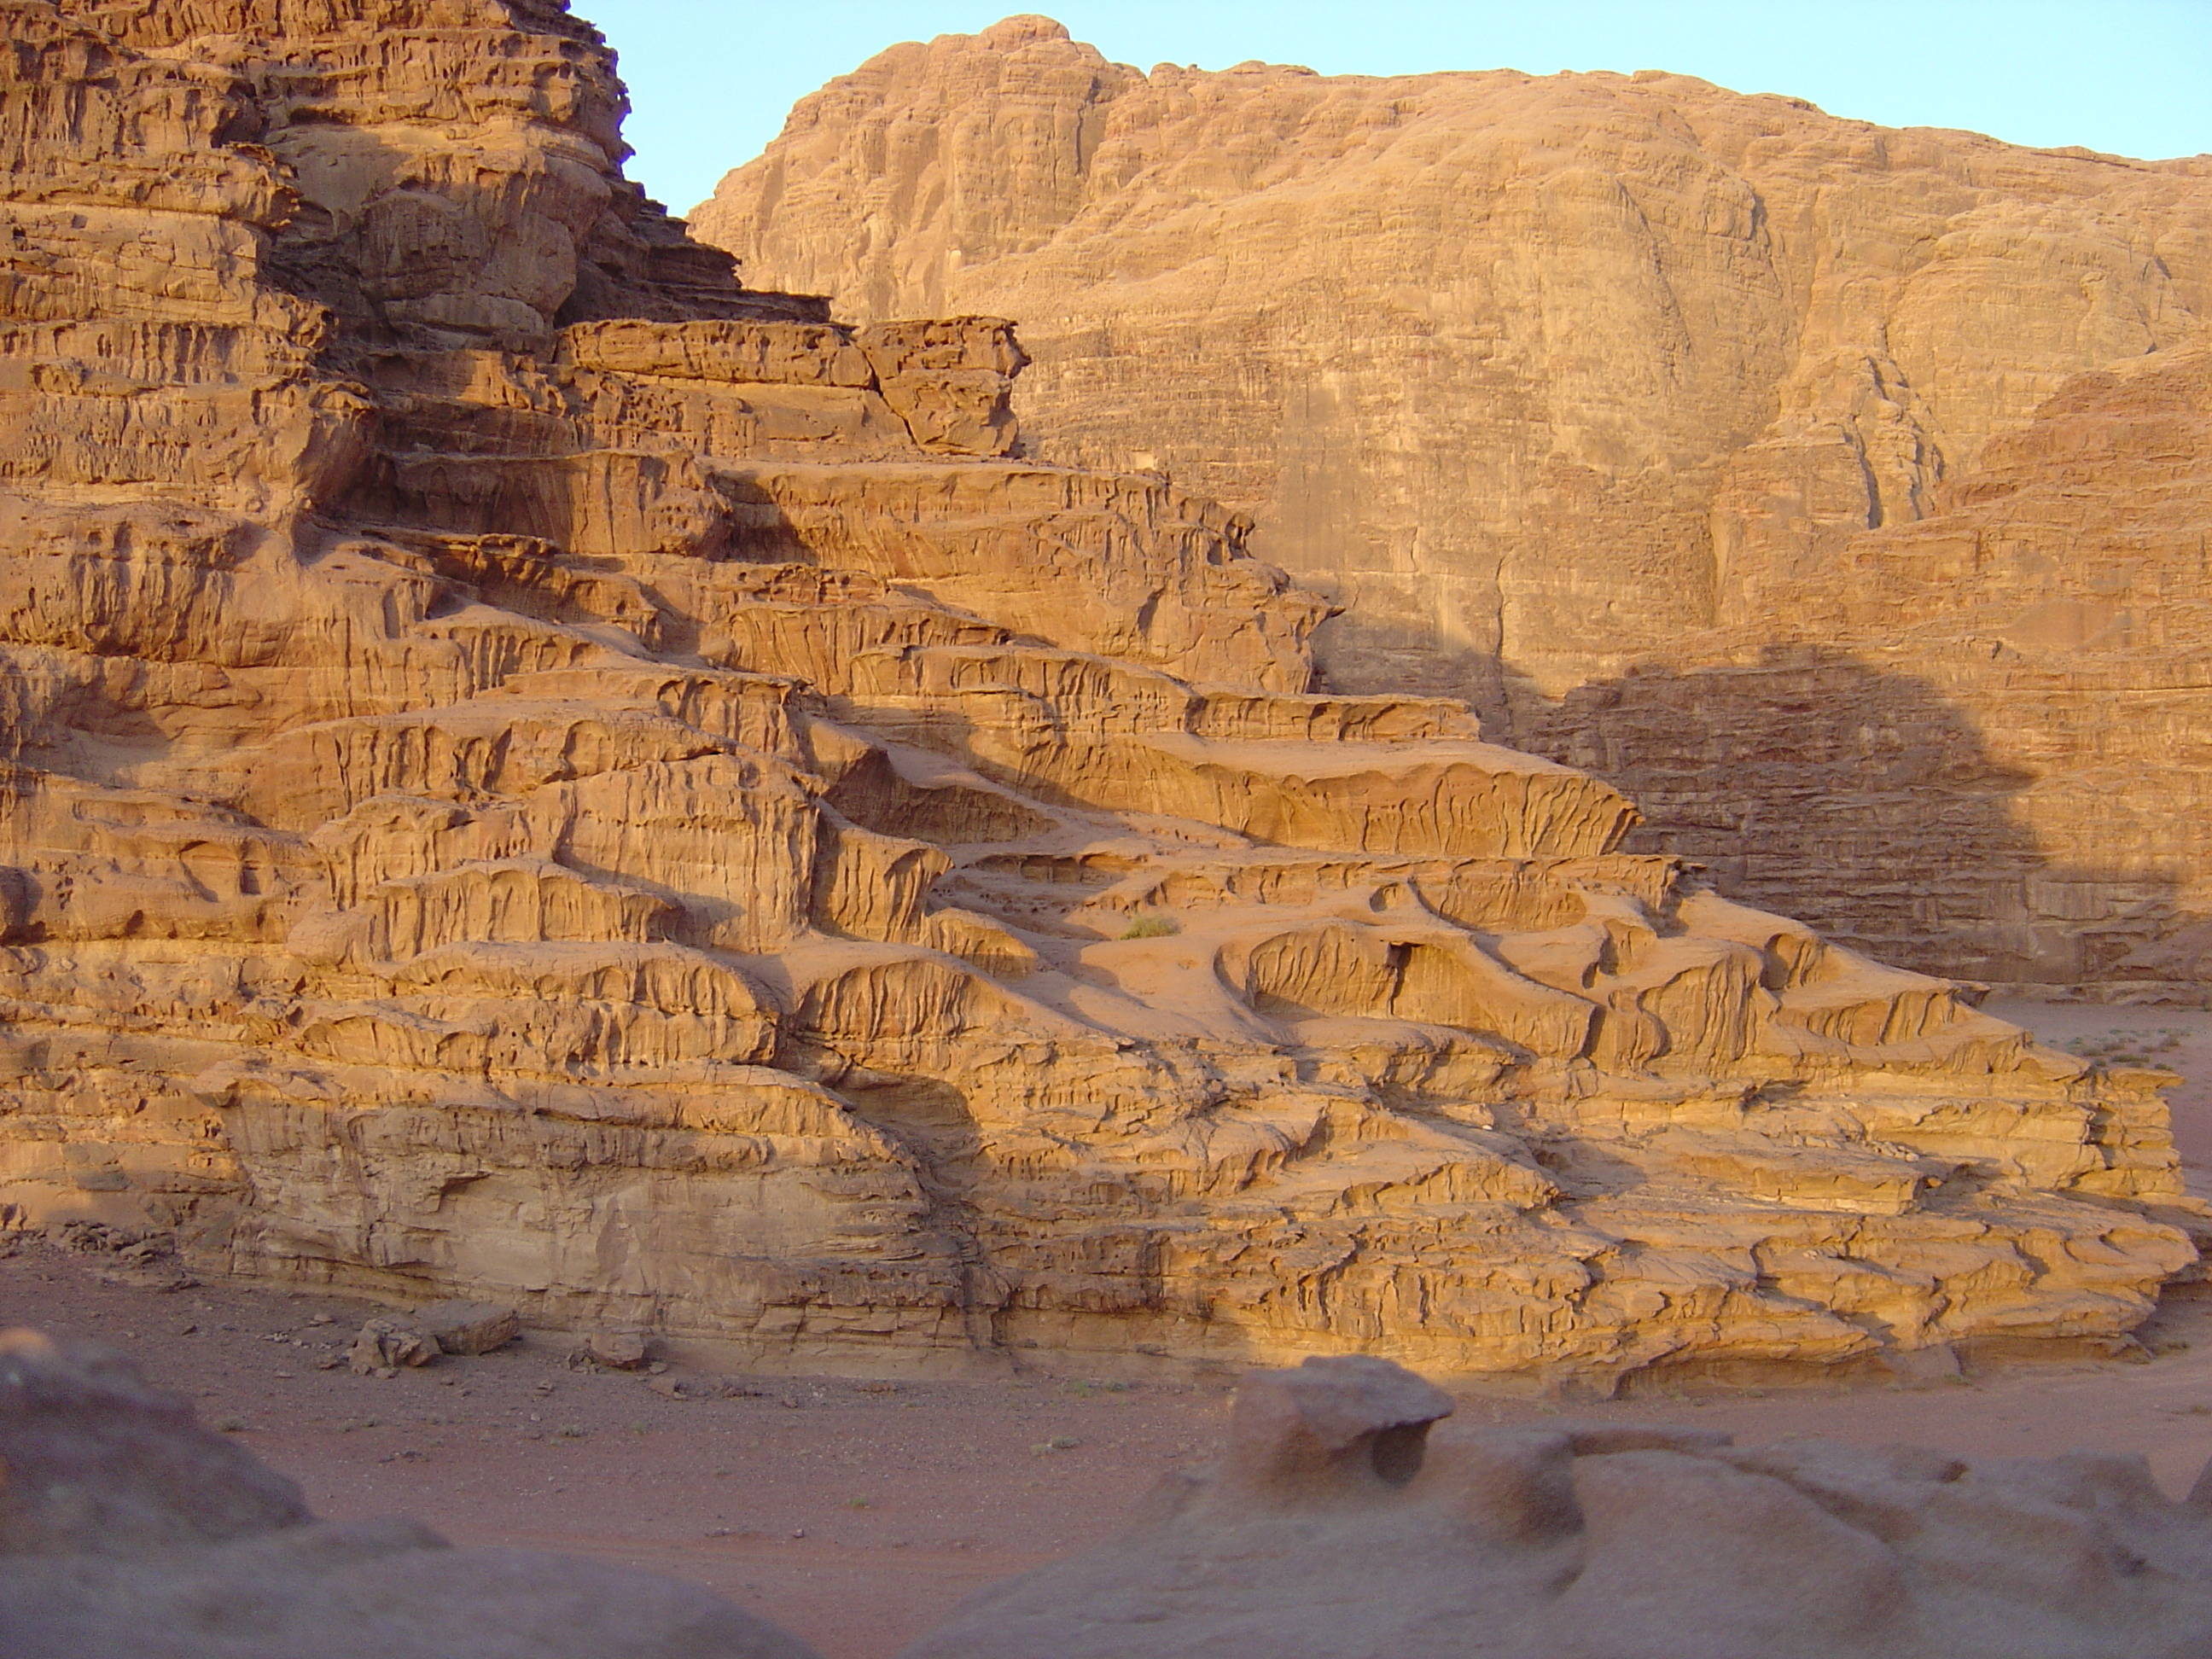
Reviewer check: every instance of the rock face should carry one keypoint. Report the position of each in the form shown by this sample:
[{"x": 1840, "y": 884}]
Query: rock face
[
  {"x": 1637, "y": 412},
  {"x": 129, "y": 1531},
  {"x": 1989, "y": 724},
  {"x": 537, "y": 773},
  {"x": 1337, "y": 1525}
]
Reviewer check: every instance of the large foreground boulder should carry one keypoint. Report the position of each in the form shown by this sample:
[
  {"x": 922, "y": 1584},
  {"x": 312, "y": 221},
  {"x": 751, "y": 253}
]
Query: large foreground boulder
[
  {"x": 1336, "y": 1529},
  {"x": 127, "y": 1531}
]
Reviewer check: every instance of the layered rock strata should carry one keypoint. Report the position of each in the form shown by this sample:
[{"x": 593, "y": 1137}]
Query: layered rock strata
[
  {"x": 1637, "y": 412},
  {"x": 1338, "y": 1522},
  {"x": 534, "y": 771}
]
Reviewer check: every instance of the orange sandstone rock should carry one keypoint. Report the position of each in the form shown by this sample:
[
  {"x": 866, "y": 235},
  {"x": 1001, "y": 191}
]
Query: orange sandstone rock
[
  {"x": 537, "y": 773},
  {"x": 1693, "y": 437}
]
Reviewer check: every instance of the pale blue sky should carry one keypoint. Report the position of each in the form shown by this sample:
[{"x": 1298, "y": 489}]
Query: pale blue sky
[{"x": 712, "y": 79}]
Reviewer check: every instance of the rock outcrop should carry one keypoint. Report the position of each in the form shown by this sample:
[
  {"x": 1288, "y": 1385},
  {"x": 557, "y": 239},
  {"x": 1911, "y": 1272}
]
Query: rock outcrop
[
  {"x": 1576, "y": 391},
  {"x": 1338, "y": 1524},
  {"x": 534, "y": 772},
  {"x": 130, "y": 1532}
]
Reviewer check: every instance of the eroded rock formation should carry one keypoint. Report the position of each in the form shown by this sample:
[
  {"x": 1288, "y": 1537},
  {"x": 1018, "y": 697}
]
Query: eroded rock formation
[
  {"x": 128, "y": 1531},
  {"x": 1338, "y": 1524},
  {"x": 1694, "y": 437},
  {"x": 2012, "y": 688},
  {"x": 536, "y": 771}
]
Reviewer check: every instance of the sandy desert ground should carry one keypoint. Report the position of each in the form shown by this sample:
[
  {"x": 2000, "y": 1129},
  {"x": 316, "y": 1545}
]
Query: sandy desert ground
[{"x": 858, "y": 1512}]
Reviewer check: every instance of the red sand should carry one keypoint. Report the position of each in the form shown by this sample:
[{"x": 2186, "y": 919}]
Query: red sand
[{"x": 858, "y": 1513}]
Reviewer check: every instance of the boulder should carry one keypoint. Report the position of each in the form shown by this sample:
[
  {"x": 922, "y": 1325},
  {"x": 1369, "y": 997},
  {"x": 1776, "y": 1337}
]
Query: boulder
[
  {"x": 385, "y": 1345},
  {"x": 97, "y": 1462},
  {"x": 619, "y": 1351},
  {"x": 127, "y": 1531},
  {"x": 467, "y": 1327},
  {"x": 1339, "y": 1524}
]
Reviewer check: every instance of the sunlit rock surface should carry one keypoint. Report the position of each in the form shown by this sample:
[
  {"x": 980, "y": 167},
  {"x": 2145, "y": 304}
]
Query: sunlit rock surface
[
  {"x": 536, "y": 773},
  {"x": 1693, "y": 437}
]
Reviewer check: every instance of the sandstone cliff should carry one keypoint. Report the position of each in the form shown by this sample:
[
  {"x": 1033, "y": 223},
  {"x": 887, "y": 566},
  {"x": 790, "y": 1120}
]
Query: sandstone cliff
[
  {"x": 1567, "y": 388},
  {"x": 532, "y": 769}
]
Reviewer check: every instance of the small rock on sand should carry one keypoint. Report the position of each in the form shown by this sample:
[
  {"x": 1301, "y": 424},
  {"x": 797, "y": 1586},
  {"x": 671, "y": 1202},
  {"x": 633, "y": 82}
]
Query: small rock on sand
[
  {"x": 621, "y": 1351},
  {"x": 384, "y": 1345}
]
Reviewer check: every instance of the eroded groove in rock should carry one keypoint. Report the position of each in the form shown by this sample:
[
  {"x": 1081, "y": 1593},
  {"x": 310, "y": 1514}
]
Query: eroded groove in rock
[{"x": 536, "y": 771}]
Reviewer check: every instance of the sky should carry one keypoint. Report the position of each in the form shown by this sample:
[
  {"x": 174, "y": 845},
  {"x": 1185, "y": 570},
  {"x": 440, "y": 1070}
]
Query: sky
[{"x": 710, "y": 80}]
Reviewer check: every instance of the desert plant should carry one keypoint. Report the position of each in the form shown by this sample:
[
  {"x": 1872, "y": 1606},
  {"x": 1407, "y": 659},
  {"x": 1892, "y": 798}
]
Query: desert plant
[{"x": 1151, "y": 928}]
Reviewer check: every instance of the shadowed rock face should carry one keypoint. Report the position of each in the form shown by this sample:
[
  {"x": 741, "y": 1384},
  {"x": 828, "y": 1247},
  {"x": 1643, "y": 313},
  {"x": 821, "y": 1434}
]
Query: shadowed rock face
[
  {"x": 1583, "y": 394},
  {"x": 1604, "y": 1543},
  {"x": 535, "y": 772},
  {"x": 129, "y": 1531}
]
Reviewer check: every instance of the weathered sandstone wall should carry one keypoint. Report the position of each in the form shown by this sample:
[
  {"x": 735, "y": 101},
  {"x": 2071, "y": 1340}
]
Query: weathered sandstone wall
[
  {"x": 532, "y": 769},
  {"x": 1570, "y": 389}
]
